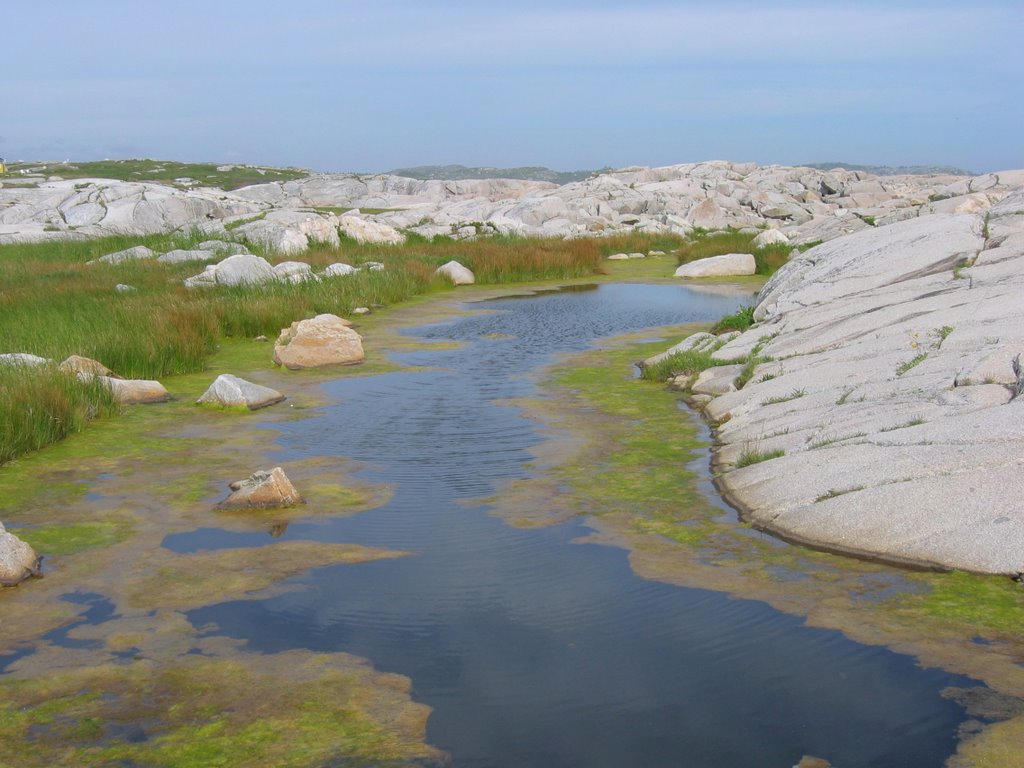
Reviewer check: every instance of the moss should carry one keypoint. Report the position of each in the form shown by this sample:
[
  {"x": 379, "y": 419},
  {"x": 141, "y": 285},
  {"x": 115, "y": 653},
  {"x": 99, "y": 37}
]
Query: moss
[
  {"x": 76, "y": 537},
  {"x": 980, "y": 603},
  {"x": 998, "y": 746},
  {"x": 288, "y": 709}
]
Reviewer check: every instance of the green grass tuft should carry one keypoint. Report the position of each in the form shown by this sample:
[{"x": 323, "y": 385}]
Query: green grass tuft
[{"x": 755, "y": 456}]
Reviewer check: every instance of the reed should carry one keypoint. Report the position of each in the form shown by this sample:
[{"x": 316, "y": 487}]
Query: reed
[{"x": 42, "y": 404}]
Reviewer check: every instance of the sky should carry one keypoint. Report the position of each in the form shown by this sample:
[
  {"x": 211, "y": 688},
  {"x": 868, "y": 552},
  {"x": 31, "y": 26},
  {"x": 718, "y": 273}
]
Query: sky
[{"x": 569, "y": 84}]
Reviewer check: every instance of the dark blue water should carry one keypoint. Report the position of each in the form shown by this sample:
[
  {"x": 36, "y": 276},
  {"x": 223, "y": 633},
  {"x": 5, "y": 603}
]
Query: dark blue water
[{"x": 537, "y": 651}]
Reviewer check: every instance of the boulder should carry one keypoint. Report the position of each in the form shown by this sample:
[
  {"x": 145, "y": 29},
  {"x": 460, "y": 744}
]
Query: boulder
[
  {"x": 18, "y": 560},
  {"x": 222, "y": 247},
  {"x": 456, "y": 273},
  {"x": 244, "y": 269},
  {"x": 367, "y": 231},
  {"x": 240, "y": 269},
  {"x": 727, "y": 265},
  {"x": 123, "y": 288},
  {"x": 295, "y": 272},
  {"x": 181, "y": 256},
  {"x": 339, "y": 269},
  {"x": 86, "y": 367},
  {"x": 262, "y": 489},
  {"x": 128, "y": 254},
  {"x": 136, "y": 391},
  {"x": 770, "y": 237},
  {"x": 232, "y": 392},
  {"x": 22, "y": 358},
  {"x": 320, "y": 341}
]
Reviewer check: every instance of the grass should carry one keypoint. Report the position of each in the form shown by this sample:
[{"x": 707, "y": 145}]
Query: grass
[
  {"x": 911, "y": 423},
  {"x": 40, "y": 405},
  {"x": 795, "y": 394},
  {"x": 756, "y": 456},
  {"x": 941, "y": 334},
  {"x": 740, "y": 320},
  {"x": 53, "y": 304},
  {"x": 832, "y": 440},
  {"x": 687, "y": 362},
  {"x": 163, "y": 171},
  {"x": 704, "y": 244},
  {"x": 907, "y": 365}
]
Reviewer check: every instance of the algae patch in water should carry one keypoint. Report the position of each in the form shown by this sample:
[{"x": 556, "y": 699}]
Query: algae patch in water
[
  {"x": 632, "y": 474},
  {"x": 287, "y": 709}
]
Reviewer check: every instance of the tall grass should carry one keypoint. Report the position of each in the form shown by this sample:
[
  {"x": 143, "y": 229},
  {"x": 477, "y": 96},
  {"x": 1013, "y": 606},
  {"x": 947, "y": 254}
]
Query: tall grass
[
  {"x": 53, "y": 304},
  {"x": 41, "y": 404}
]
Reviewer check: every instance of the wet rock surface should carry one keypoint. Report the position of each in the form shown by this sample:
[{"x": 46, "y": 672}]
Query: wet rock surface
[
  {"x": 233, "y": 392},
  {"x": 18, "y": 561},
  {"x": 262, "y": 489}
]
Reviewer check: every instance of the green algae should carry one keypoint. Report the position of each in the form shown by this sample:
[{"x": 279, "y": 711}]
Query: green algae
[
  {"x": 631, "y": 473},
  {"x": 990, "y": 606},
  {"x": 289, "y": 709},
  {"x": 75, "y": 537}
]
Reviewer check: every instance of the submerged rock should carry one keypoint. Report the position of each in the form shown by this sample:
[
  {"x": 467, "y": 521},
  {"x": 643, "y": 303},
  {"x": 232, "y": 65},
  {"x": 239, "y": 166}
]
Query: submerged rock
[
  {"x": 265, "y": 488},
  {"x": 232, "y": 392},
  {"x": 456, "y": 272},
  {"x": 322, "y": 340},
  {"x": 18, "y": 561}
]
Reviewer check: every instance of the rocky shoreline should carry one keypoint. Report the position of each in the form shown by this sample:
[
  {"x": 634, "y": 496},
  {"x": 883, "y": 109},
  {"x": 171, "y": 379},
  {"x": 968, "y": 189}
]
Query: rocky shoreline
[{"x": 881, "y": 416}]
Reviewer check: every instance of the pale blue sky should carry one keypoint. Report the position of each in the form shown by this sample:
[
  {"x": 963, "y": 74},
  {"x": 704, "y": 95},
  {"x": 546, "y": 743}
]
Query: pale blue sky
[{"x": 378, "y": 84}]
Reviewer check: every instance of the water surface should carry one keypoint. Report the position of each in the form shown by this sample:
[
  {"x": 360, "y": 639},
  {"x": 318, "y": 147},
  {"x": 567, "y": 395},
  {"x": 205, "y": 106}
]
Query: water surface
[{"x": 535, "y": 650}]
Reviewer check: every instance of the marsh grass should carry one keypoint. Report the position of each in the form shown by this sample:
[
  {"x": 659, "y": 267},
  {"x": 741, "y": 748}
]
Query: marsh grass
[
  {"x": 53, "y": 304},
  {"x": 687, "y": 362},
  {"x": 41, "y": 404}
]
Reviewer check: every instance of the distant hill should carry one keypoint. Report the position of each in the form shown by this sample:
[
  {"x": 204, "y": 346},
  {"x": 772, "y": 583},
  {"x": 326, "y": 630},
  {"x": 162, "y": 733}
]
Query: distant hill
[
  {"x": 457, "y": 172},
  {"x": 894, "y": 170}
]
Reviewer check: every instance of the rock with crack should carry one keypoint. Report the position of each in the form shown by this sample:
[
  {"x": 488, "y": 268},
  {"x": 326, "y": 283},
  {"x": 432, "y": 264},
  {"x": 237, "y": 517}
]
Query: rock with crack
[
  {"x": 232, "y": 392},
  {"x": 262, "y": 489},
  {"x": 456, "y": 273},
  {"x": 18, "y": 561},
  {"x": 320, "y": 341}
]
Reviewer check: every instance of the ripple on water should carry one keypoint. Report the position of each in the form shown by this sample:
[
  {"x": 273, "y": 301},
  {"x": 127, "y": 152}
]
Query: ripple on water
[{"x": 531, "y": 649}]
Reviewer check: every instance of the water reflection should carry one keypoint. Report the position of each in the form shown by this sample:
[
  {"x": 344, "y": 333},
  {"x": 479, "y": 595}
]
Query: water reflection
[{"x": 536, "y": 651}]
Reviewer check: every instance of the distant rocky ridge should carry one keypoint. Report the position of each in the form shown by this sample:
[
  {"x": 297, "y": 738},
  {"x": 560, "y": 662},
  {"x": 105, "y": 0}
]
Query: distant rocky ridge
[
  {"x": 805, "y": 204},
  {"x": 458, "y": 172},
  {"x": 895, "y": 170}
]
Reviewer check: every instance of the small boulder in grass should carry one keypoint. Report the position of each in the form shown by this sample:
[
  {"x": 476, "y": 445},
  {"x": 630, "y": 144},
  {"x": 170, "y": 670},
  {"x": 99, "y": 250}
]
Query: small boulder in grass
[
  {"x": 456, "y": 273},
  {"x": 229, "y": 391},
  {"x": 86, "y": 367},
  {"x": 261, "y": 490}
]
